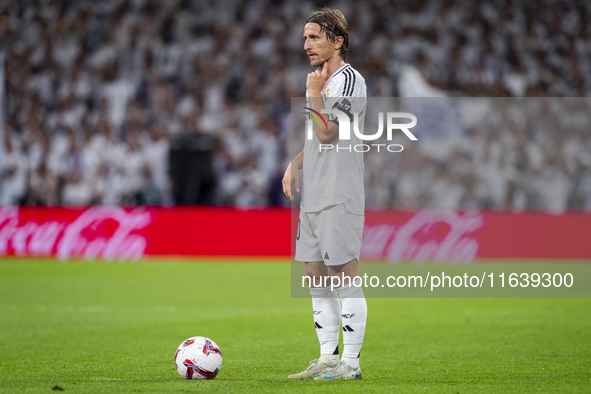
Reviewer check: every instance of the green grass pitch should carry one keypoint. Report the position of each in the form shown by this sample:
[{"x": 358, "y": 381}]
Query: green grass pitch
[{"x": 114, "y": 327}]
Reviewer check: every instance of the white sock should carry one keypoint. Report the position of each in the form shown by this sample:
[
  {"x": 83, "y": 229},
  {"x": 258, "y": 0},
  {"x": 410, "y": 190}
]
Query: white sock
[
  {"x": 354, "y": 316},
  {"x": 327, "y": 321},
  {"x": 332, "y": 359}
]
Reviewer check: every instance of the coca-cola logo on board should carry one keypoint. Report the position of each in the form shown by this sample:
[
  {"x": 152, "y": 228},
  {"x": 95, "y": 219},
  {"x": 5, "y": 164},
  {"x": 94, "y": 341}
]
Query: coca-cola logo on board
[
  {"x": 430, "y": 235},
  {"x": 107, "y": 232}
]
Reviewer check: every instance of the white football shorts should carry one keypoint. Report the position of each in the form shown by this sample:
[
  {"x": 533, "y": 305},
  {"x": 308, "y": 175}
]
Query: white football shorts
[{"x": 332, "y": 235}]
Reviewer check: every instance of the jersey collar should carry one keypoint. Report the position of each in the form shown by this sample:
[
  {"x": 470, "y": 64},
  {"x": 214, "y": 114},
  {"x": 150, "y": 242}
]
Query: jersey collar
[{"x": 339, "y": 70}]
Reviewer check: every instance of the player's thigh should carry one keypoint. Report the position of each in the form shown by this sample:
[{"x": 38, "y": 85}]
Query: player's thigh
[
  {"x": 316, "y": 269},
  {"x": 340, "y": 234}
]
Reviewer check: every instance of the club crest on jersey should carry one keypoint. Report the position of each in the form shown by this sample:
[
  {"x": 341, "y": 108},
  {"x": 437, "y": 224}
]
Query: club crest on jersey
[{"x": 325, "y": 95}]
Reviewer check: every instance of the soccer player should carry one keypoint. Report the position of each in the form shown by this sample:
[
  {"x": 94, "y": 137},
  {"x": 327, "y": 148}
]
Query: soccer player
[{"x": 333, "y": 199}]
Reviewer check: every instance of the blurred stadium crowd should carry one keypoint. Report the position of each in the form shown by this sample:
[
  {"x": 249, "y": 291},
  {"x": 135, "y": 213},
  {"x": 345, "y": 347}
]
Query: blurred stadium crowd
[
  {"x": 97, "y": 90},
  {"x": 517, "y": 154}
]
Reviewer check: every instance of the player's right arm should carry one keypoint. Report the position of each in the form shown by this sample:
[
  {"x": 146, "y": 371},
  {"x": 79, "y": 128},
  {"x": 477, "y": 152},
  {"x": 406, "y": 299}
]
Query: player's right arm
[
  {"x": 314, "y": 85},
  {"x": 293, "y": 176}
]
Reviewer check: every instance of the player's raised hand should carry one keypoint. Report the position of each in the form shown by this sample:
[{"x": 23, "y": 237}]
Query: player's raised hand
[
  {"x": 316, "y": 80},
  {"x": 288, "y": 178},
  {"x": 324, "y": 71}
]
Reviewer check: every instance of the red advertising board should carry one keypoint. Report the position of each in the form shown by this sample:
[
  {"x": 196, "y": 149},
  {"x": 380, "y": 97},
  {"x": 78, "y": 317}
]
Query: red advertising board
[
  {"x": 439, "y": 235},
  {"x": 428, "y": 235},
  {"x": 131, "y": 233}
]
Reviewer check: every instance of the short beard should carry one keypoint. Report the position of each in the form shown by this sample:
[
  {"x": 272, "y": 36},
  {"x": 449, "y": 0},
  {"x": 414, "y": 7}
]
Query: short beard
[{"x": 319, "y": 63}]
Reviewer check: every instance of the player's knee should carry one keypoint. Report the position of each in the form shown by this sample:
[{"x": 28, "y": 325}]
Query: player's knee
[
  {"x": 316, "y": 280},
  {"x": 349, "y": 269}
]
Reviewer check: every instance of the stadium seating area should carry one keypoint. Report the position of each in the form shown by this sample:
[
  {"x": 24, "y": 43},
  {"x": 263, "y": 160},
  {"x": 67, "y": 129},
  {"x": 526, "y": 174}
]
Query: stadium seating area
[
  {"x": 518, "y": 154},
  {"x": 96, "y": 90}
]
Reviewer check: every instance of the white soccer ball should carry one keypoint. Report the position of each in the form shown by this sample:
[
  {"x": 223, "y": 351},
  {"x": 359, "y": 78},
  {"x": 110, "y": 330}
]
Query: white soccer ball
[{"x": 198, "y": 358}]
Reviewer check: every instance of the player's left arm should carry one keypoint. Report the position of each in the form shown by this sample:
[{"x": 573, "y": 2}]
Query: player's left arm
[{"x": 314, "y": 85}]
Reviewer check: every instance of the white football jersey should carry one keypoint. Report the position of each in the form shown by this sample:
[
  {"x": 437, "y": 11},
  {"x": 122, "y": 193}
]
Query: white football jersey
[{"x": 335, "y": 176}]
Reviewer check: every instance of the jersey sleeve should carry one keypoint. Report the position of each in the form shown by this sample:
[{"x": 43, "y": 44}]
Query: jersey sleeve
[{"x": 348, "y": 97}]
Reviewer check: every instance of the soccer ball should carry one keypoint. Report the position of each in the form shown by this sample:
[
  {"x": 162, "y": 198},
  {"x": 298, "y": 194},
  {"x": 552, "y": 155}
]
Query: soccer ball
[{"x": 198, "y": 358}]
